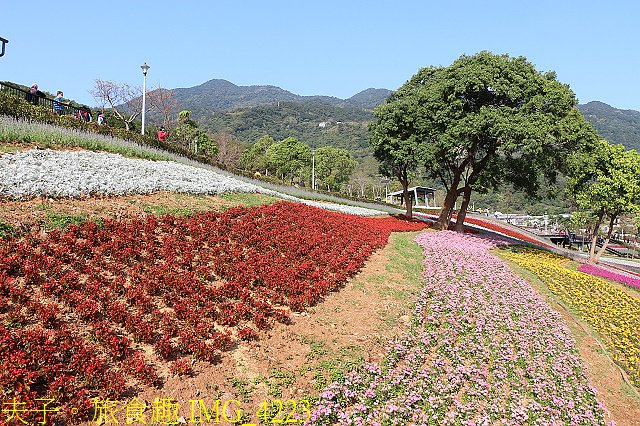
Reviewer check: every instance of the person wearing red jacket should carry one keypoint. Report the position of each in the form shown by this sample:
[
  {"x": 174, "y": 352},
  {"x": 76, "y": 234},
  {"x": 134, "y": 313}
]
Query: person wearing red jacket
[{"x": 162, "y": 134}]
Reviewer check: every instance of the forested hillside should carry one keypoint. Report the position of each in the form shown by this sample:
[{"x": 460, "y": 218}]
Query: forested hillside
[
  {"x": 316, "y": 124},
  {"x": 618, "y": 126},
  {"x": 250, "y": 112}
]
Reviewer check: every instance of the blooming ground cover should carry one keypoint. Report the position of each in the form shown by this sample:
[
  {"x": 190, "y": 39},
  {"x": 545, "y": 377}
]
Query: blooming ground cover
[
  {"x": 49, "y": 173},
  {"x": 610, "y": 311},
  {"x": 508, "y": 231},
  {"x": 100, "y": 310},
  {"x": 613, "y": 276},
  {"x": 494, "y": 227},
  {"x": 482, "y": 348}
]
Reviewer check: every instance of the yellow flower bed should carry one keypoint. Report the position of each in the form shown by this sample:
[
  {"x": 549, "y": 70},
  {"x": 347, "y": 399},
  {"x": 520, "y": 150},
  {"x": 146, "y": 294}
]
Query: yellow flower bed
[{"x": 610, "y": 311}]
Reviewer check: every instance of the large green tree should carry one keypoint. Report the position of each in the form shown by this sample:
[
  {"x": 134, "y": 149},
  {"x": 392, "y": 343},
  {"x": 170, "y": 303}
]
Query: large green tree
[
  {"x": 395, "y": 144},
  {"x": 289, "y": 158},
  {"x": 484, "y": 120},
  {"x": 333, "y": 166},
  {"x": 190, "y": 135},
  {"x": 255, "y": 156},
  {"x": 606, "y": 185}
]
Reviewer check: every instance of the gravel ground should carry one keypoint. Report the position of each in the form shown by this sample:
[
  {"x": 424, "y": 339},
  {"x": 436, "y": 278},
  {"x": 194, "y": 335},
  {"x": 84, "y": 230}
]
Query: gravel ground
[{"x": 36, "y": 172}]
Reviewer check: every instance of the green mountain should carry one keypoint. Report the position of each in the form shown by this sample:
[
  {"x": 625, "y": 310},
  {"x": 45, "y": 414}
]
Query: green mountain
[
  {"x": 222, "y": 95},
  {"x": 312, "y": 122},
  {"x": 617, "y": 126},
  {"x": 370, "y": 98},
  {"x": 249, "y": 112}
]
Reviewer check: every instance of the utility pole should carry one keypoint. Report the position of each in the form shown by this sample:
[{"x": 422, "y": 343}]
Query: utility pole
[{"x": 313, "y": 168}]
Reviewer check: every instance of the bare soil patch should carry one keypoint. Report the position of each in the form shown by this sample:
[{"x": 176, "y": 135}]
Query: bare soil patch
[{"x": 34, "y": 214}]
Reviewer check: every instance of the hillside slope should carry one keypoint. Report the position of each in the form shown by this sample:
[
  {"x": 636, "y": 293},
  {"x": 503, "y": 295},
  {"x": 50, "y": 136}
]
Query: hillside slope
[
  {"x": 314, "y": 123},
  {"x": 618, "y": 126},
  {"x": 249, "y": 112},
  {"x": 222, "y": 95}
]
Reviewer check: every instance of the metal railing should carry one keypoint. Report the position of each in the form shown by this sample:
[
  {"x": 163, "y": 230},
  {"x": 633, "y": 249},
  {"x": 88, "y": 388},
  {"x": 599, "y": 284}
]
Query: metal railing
[{"x": 38, "y": 99}]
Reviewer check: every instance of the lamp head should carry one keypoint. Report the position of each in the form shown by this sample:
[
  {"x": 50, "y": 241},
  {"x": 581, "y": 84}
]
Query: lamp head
[{"x": 145, "y": 68}]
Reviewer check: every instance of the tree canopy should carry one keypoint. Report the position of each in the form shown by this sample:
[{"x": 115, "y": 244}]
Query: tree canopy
[
  {"x": 394, "y": 144},
  {"x": 125, "y": 101},
  {"x": 189, "y": 134},
  {"x": 333, "y": 166},
  {"x": 485, "y": 120},
  {"x": 606, "y": 184},
  {"x": 289, "y": 158},
  {"x": 255, "y": 156}
]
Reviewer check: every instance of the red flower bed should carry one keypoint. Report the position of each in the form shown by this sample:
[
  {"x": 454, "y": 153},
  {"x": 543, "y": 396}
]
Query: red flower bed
[
  {"x": 78, "y": 307},
  {"x": 493, "y": 226},
  {"x": 505, "y": 231}
]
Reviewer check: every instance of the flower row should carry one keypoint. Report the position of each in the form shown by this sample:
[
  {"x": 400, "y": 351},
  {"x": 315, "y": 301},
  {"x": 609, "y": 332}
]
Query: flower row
[
  {"x": 610, "y": 275},
  {"x": 92, "y": 310},
  {"x": 610, "y": 311},
  {"x": 494, "y": 226},
  {"x": 482, "y": 348}
]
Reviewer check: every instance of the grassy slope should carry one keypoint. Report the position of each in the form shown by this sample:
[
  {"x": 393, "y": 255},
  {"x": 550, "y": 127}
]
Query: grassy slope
[{"x": 16, "y": 135}]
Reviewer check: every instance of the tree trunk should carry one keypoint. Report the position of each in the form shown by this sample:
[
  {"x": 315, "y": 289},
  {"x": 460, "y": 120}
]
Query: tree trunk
[
  {"x": 594, "y": 237},
  {"x": 447, "y": 207},
  {"x": 405, "y": 195},
  {"x": 606, "y": 241},
  {"x": 447, "y": 210},
  {"x": 462, "y": 213}
]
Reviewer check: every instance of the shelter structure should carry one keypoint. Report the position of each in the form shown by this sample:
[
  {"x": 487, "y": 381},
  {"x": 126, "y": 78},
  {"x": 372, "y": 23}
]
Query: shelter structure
[{"x": 421, "y": 196}]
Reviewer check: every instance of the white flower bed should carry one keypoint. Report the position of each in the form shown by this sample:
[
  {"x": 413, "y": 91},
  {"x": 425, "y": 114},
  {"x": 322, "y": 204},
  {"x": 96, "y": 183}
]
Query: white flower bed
[{"x": 49, "y": 173}]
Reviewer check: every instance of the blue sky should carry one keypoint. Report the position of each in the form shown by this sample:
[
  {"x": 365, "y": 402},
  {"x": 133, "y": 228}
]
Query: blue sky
[{"x": 335, "y": 48}]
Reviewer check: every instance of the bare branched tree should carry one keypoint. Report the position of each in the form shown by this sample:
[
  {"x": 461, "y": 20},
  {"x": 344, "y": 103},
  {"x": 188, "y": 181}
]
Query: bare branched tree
[
  {"x": 229, "y": 150},
  {"x": 360, "y": 181},
  {"x": 125, "y": 101},
  {"x": 161, "y": 101}
]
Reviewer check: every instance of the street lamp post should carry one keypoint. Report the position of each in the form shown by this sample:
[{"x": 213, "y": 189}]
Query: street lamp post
[
  {"x": 4, "y": 41},
  {"x": 145, "y": 68},
  {"x": 313, "y": 169},
  {"x": 385, "y": 182}
]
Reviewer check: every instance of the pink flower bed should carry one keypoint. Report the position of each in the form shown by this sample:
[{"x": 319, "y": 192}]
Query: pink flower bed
[
  {"x": 604, "y": 273},
  {"x": 494, "y": 227},
  {"x": 483, "y": 348}
]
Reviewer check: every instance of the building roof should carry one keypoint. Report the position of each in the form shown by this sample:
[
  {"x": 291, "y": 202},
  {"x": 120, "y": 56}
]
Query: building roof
[{"x": 414, "y": 188}]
